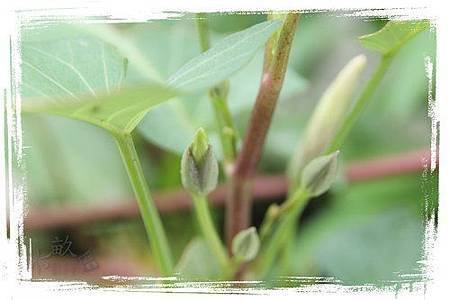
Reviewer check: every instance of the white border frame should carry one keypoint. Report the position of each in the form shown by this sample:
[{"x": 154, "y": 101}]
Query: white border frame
[{"x": 14, "y": 266}]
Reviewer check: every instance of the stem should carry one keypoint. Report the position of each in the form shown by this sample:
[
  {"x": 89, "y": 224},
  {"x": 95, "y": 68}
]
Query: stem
[
  {"x": 209, "y": 232},
  {"x": 218, "y": 95},
  {"x": 361, "y": 103},
  {"x": 227, "y": 132},
  {"x": 287, "y": 221},
  {"x": 202, "y": 29},
  {"x": 149, "y": 213},
  {"x": 239, "y": 197},
  {"x": 286, "y": 248}
]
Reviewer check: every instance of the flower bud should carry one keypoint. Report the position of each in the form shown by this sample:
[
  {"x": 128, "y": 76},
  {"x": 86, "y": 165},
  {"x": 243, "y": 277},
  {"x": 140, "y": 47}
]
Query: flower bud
[
  {"x": 199, "y": 169},
  {"x": 319, "y": 174},
  {"x": 199, "y": 146},
  {"x": 328, "y": 116},
  {"x": 245, "y": 245}
]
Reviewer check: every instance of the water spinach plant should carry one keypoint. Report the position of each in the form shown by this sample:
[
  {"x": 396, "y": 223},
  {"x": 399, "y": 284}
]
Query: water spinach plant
[{"x": 81, "y": 76}]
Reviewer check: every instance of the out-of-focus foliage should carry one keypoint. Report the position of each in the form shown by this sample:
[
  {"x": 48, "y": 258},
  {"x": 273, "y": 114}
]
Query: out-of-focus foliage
[
  {"x": 398, "y": 111},
  {"x": 68, "y": 160},
  {"x": 371, "y": 232},
  {"x": 197, "y": 261},
  {"x": 393, "y": 36},
  {"x": 224, "y": 58},
  {"x": 180, "y": 118}
]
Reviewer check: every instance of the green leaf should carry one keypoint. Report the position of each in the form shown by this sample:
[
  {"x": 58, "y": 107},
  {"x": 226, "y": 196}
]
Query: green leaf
[
  {"x": 198, "y": 262},
  {"x": 117, "y": 112},
  {"x": 179, "y": 118},
  {"x": 68, "y": 160},
  {"x": 183, "y": 116},
  {"x": 245, "y": 245},
  {"x": 80, "y": 77},
  {"x": 371, "y": 231},
  {"x": 377, "y": 248},
  {"x": 59, "y": 61},
  {"x": 113, "y": 36},
  {"x": 393, "y": 36},
  {"x": 224, "y": 58}
]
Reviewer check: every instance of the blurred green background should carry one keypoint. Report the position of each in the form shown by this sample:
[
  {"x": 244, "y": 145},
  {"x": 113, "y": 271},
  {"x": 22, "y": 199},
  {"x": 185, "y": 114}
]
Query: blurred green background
[{"x": 358, "y": 232}]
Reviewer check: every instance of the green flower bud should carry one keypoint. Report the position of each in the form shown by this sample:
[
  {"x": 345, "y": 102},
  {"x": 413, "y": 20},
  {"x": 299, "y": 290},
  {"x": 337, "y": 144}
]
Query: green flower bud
[
  {"x": 245, "y": 245},
  {"x": 319, "y": 174},
  {"x": 199, "y": 169},
  {"x": 328, "y": 116},
  {"x": 199, "y": 146}
]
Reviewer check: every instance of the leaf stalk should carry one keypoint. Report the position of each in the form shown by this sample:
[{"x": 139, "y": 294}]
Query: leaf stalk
[
  {"x": 218, "y": 95},
  {"x": 150, "y": 216},
  {"x": 292, "y": 208}
]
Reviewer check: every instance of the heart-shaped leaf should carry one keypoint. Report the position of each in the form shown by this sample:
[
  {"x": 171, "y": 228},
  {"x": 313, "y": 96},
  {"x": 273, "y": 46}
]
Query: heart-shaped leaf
[
  {"x": 80, "y": 77},
  {"x": 393, "y": 35}
]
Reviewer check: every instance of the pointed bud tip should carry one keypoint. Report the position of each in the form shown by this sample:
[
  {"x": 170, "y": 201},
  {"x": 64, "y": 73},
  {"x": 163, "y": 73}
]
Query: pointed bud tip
[
  {"x": 199, "y": 168},
  {"x": 351, "y": 71},
  {"x": 200, "y": 145},
  {"x": 360, "y": 59}
]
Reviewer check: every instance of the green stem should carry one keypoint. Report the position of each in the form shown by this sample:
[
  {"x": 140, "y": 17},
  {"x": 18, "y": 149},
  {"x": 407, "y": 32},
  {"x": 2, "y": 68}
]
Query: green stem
[
  {"x": 286, "y": 249},
  {"x": 218, "y": 95},
  {"x": 202, "y": 29},
  {"x": 294, "y": 206},
  {"x": 209, "y": 232},
  {"x": 152, "y": 222},
  {"x": 227, "y": 132},
  {"x": 267, "y": 223},
  {"x": 361, "y": 103}
]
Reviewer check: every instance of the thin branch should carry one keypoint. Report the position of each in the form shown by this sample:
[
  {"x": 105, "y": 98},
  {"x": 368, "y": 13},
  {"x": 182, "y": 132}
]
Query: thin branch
[
  {"x": 266, "y": 188},
  {"x": 410, "y": 162},
  {"x": 239, "y": 197}
]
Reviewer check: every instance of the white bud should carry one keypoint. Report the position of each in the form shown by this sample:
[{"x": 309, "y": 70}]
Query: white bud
[{"x": 328, "y": 115}]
